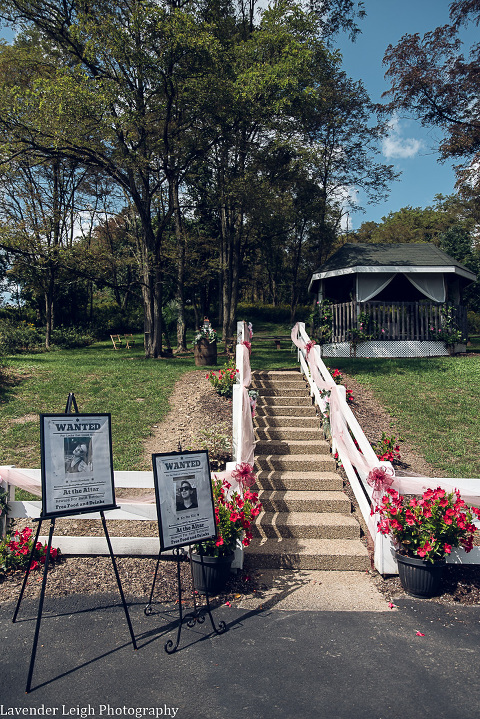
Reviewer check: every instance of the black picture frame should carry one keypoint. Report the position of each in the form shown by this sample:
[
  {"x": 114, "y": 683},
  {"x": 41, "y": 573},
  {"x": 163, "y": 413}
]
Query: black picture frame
[
  {"x": 179, "y": 526},
  {"x": 76, "y": 464}
]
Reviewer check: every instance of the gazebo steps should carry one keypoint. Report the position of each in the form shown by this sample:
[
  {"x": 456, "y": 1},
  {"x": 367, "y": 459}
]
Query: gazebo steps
[
  {"x": 295, "y": 462},
  {"x": 306, "y": 525},
  {"x": 294, "y": 400},
  {"x": 306, "y": 522},
  {"x": 300, "y": 481},
  {"x": 332, "y": 554},
  {"x": 306, "y": 501},
  {"x": 299, "y": 446},
  {"x": 306, "y": 410},
  {"x": 280, "y": 421},
  {"x": 287, "y": 432}
]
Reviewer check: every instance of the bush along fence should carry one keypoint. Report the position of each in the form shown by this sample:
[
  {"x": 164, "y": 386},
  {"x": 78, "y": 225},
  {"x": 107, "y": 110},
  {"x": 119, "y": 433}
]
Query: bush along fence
[
  {"x": 370, "y": 477},
  {"x": 139, "y": 508}
]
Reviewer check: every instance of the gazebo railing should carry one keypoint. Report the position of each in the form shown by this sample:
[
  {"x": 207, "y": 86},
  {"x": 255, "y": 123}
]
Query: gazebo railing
[{"x": 396, "y": 321}]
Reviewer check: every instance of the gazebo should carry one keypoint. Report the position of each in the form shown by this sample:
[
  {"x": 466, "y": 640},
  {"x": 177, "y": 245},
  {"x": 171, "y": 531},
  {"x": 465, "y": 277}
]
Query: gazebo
[{"x": 391, "y": 300}]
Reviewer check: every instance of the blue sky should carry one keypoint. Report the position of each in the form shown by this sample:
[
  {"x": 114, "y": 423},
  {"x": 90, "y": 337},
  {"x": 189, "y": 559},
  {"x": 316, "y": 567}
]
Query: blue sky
[{"x": 411, "y": 148}]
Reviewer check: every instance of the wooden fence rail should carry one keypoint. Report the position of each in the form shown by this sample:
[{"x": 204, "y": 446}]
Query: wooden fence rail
[{"x": 395, "y": 321}]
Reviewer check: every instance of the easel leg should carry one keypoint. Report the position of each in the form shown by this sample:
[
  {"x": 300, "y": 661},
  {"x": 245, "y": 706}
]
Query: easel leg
[
  {"x": 222, "y": 627},
  {"x": 40, "y": 608},
  {"x": 148, "y": 609},
  {"x": 112, "y": 556},
  {"x": 170, "y": 647},
  {"x": 25, "y": 579}
]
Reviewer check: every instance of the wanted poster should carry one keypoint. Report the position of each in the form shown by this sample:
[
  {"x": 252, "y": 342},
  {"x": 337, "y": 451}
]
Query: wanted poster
[
  {"x": 184, "y": 497},
  {"x": 77, "y": 466}
]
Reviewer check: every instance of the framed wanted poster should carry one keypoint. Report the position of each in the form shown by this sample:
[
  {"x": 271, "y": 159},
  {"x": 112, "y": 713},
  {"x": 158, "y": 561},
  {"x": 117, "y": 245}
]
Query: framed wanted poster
[
  {"x": 77, "y": 464},
  {"x": 184, "y": 496}
]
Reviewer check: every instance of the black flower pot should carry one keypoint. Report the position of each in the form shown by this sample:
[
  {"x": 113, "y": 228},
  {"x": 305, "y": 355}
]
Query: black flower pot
[
  {"x": 210, "y": 574},
  {"x": 418, "y": 577}
]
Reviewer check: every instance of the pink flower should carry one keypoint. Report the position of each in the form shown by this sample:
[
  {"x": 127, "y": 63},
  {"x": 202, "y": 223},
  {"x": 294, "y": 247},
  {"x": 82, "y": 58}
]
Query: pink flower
[{"x": 420, "y": 634}]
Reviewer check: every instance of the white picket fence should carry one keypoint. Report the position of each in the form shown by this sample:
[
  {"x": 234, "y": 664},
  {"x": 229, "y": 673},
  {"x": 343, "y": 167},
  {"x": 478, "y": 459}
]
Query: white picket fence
[
  {"x": 384, "y": 556},
  {"x": 122, "y": 546}
]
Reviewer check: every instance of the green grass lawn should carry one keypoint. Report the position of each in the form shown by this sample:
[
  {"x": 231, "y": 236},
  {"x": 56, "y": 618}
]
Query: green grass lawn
[
  {"x": 134, "y": 390},
  {"x": 436, "y": 402}
]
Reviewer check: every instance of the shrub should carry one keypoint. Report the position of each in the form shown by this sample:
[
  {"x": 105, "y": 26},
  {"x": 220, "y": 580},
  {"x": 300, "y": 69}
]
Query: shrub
[
  {"x": 224, "y": 380},
  {"x": 387, "y": 448},
  {"x": 473, "y": 319},
  {"x": 20, "y": 337},
  {"x": 71, "y": 337}
]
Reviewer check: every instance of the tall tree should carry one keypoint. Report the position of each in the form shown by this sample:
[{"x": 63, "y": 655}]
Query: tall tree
[
  {"x": 431, "y": 77},
  {"x": 131, "y": 83}
]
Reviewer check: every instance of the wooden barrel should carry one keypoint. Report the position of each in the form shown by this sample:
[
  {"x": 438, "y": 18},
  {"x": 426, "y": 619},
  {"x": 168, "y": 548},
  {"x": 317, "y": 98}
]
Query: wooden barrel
[{"x": 205, "y": 353}]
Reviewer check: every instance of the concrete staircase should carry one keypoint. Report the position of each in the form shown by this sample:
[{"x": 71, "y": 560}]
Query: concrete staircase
[{"x": 306, "y": 521}]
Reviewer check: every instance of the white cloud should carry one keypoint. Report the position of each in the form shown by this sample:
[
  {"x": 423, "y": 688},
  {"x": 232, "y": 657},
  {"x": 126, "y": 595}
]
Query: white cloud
[{"x": 397, "y": 146}]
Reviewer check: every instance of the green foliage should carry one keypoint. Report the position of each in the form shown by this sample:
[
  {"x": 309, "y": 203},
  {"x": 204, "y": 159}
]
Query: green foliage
[
  {"x": 388, "y": 448},
  {"x": 224, "y": 380},
  {"x": 20, "y": 337},
  {"x": 259, "y": 313},
  {"x": 218, "y": 444},
  {"x": 321, "y": 320},
  {"x": 473, "y": 319}
]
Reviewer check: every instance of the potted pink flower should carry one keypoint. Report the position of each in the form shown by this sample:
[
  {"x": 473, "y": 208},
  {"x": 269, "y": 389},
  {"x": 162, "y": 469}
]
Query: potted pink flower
[
  {"x": 235, "y": 512},
  {"x": 424, "y": 531}
]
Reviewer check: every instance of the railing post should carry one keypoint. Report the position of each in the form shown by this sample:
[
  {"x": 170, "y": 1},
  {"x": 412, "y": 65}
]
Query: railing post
[
  {"x": 10, "y": 489},
  {"x": 237, "y": 428}
]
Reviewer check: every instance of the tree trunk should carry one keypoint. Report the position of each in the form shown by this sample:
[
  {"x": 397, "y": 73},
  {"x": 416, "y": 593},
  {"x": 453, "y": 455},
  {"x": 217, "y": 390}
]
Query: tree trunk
[{"x": 181, "y": 252}]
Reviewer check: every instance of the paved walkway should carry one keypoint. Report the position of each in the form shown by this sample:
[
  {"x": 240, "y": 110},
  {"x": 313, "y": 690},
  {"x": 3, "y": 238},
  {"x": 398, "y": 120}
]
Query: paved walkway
[{"x": 272, "y": 663}]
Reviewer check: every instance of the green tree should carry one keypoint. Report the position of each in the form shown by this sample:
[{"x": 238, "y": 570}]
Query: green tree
[{"x": 431, "y": 77}]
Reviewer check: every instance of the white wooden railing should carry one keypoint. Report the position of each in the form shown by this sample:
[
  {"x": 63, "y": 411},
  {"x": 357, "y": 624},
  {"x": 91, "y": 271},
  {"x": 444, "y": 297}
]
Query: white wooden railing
[
  {"x": 237, "y": 398},
  {"x": 384, "y": 557},
  {"x": 122, "y": 546}
]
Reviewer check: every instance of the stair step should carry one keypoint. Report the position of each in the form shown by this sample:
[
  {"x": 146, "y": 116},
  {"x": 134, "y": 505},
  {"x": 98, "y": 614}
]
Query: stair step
[
  {"x": 299, "y": 481},
  {"x": 277, "y": 374},
  {"x": 308, "y": 525},
  {"x": 296, "y": 463},
  {"x": 285, "y": 401},
  {"x": 300, "y": 446},
  {"x": 304, "y": 501},
  {"x": 288, "y": 433},
  {"x": 264, "y": 387},
  {"x": 283, "y": 392},
  {"x": 284, "y": 411},
  {"x": 333, "y": 554},
  {"x": 282, "y": 421}
]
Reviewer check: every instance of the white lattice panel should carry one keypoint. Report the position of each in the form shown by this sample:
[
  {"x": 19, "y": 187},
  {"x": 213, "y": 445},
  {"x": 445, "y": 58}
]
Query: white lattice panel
[{"x": 387, "y": 348}]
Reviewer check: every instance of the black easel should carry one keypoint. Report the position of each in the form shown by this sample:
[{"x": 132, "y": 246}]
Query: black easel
[
  {"x": 191, "y": 618},
  {"x": 70, "y": 402}
]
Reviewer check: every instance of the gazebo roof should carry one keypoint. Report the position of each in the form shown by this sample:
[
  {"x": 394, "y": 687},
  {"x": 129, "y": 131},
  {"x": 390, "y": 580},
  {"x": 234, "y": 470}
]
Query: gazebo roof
[{"x": 395, "y": 257}]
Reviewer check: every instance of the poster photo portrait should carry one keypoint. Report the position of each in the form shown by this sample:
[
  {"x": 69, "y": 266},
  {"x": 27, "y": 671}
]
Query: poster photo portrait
[
  {"x": 77, "y": 466},
  {"x": 183, "y": 492}
]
